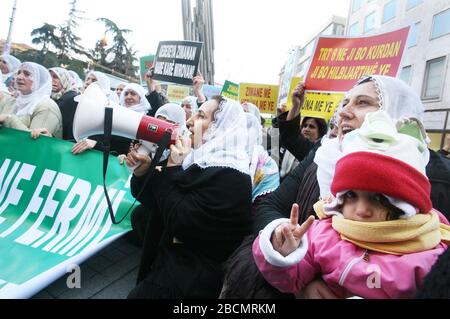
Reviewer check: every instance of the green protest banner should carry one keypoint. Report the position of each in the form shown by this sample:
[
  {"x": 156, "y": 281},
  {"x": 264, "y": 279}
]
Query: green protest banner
[
  {"x": 53, "y": 211},
  {"x": 230, "y": 90},
  {"x": 145, "y": 64}
]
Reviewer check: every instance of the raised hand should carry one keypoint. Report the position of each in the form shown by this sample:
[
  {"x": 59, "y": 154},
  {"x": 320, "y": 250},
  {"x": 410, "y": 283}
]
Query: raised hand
[
  {"x": 298, "y": 97},
  {"x": 141, "y": 161},
  {"x": 286, "y": 237}
]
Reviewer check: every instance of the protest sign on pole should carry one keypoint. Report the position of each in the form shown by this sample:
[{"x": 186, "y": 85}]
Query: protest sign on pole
[
  {"x": 230, "y": 90},
  {"x": 176, "y": 93},
  {"x": 145, "y": 64},
  {"x": 53, "y": 211},
  {"x": 294, "y": 82},
  {"x": 177, "y": 61},
  {"x": 338, "y": 63},
  {"x": 265, "y": 97}
]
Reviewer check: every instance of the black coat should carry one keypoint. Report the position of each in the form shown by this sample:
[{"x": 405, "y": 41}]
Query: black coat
[
  {"x": 438, "y": 172},
  {"x": 208, "y": 212},
  {"x": 300, "y": 186},
  {"x": 68, "y": 107},
  {"x": 156, "y": 100},
  {"x": 292, "y": 138}
]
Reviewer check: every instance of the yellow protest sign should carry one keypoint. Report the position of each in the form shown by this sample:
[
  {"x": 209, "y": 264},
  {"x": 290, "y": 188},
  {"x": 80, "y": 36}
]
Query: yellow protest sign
[
  {"x": 176, "y": 93},
  {"x": 321, "y": 104},
  {"x": 265, "y": 97},
  {"x": 294, "y": 82}
]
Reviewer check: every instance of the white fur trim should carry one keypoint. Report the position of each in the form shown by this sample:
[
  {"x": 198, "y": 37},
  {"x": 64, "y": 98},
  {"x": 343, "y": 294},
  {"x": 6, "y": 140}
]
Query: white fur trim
[{"x": 271, "y": 255}]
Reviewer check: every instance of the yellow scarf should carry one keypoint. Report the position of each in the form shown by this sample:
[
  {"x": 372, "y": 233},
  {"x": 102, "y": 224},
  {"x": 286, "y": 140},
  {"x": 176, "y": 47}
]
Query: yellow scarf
[{"x": 398, "y": 237}]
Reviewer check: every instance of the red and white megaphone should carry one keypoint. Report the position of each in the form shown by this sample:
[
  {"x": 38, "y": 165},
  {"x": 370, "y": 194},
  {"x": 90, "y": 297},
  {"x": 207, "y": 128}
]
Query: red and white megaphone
[{"x": 90, "y": 116}]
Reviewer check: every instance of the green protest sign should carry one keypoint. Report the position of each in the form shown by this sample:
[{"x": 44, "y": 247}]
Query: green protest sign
[
  {"x": 231, "y": 90},
  {"x": 145, "y": 63},
  {"x": 53, "y": 211}
]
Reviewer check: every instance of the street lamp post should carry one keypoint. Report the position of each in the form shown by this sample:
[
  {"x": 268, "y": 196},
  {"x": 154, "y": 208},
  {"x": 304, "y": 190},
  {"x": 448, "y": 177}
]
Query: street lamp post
[{"x": 7, "y": 47}]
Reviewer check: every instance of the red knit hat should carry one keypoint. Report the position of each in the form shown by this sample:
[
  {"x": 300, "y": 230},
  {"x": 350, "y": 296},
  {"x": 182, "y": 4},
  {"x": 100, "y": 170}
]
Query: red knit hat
[{"x": 373, "y": 172}]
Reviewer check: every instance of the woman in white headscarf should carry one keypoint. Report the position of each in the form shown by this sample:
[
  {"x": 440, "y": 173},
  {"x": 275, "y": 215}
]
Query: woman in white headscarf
[
  {"x": 370, "y": 94},
  {"x": 190, "y": 106},
  {"x": 63, "y": 93},
  {"x": 77, "y": 83},
  {"x": 33, "y": 108},
  {"x": 174, "y": 114},
  {"x": 8, "y": 66},
  {"x": 133, "y": 98},
  {"x": 263, "y": 169},
  {"x": 104, "y": 83},
  {"x": 200, "y": 206}
]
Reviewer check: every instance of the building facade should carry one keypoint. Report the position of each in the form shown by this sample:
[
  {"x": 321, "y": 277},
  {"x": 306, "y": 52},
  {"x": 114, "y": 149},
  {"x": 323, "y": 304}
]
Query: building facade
[
  {"x": 299, "y": 57},
  {"x": 198, "y": 25},
  {"x": 425, "y": 61}
]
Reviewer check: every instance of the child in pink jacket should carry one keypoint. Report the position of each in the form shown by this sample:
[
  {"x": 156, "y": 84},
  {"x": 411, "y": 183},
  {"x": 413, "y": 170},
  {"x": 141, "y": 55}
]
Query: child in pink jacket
[{"x": 377, "y": 237}]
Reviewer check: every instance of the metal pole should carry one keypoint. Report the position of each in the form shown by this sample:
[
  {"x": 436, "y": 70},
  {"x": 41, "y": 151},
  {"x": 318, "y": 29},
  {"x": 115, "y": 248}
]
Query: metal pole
[{"x": 7, "y": 47}]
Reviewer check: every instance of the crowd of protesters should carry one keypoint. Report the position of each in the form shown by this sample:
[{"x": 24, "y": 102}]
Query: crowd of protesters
[{"x": 354, "y": 207}]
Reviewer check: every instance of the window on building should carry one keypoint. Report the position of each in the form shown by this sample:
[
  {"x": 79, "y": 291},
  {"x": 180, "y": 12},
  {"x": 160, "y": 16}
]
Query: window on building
[
  {"x": 328, "y": 30},
  {"x": 412, "y": 3},
  {"x": 389, "y": 11},
  {"x": 441, "y": 24},
  {"x": 413, "y": 35},
  {"x": 309, "y": 48},
  {"x": 356, "y": 5},
  {"x": 434, "y": 79},
  {"x": 353, "y": 29},
  {"x": 369, "y": 22},
  {"x": 405, "y": 74}
]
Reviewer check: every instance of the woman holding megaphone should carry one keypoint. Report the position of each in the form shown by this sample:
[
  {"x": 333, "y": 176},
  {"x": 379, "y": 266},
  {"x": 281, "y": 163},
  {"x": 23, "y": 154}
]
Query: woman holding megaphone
[{"x": 200, "y": 205}]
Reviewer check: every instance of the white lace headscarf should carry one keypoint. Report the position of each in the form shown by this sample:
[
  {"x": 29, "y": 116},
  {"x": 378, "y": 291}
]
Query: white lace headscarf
[
  {"x": 13, "y": 64},
  {"x": 66, "y": 82},
  {"x": 224, "y": 142},
  {"x": 396, "y": 98},
  {"x": 143, "y": 106},
  {"x": 3, "y": 87},
  {"x": 40, "y": 90},
  {"x": 254, "y": 143}
]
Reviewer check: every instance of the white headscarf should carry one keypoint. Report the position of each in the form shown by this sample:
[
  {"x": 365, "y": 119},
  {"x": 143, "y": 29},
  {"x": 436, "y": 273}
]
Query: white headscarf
[
  {"x": 143, "y": 106},
  {"x": 396, "y": 98},
  {"x": 173, "y": 112},
  {"x": 254, "y": 147},
  {"x": 252, "y": 109},
  {"x": 66, "y": 82},
  {"x": 224, "y": 141},
  {"x": 76, "y": 80},
  {"x": 13, "y": 64},
  {"x": 192, "y": 100},
  {"x": 3, "y": 87},
  {"x": 40, "y": 90},
  {"x": 105, "y": 84}
]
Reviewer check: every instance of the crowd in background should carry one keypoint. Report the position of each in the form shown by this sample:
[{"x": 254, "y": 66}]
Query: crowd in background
[{"x": 225, "y": 215}]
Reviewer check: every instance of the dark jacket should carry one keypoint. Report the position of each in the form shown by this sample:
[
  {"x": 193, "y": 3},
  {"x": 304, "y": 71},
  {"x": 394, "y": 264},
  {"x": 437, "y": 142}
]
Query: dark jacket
[
  {"x": 291, "y": 137},
  {"x": 68, "y": 107},
  {"x": 300, "y": 186},
  {"x": 198, "y": 219},
  {"x": 438, "y": 172},
  {"x": 156, "y": 100}
]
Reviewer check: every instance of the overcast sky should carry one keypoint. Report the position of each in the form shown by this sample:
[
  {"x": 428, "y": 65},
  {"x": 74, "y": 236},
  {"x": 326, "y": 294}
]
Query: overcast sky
[{"x": 252, "y": 37}]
